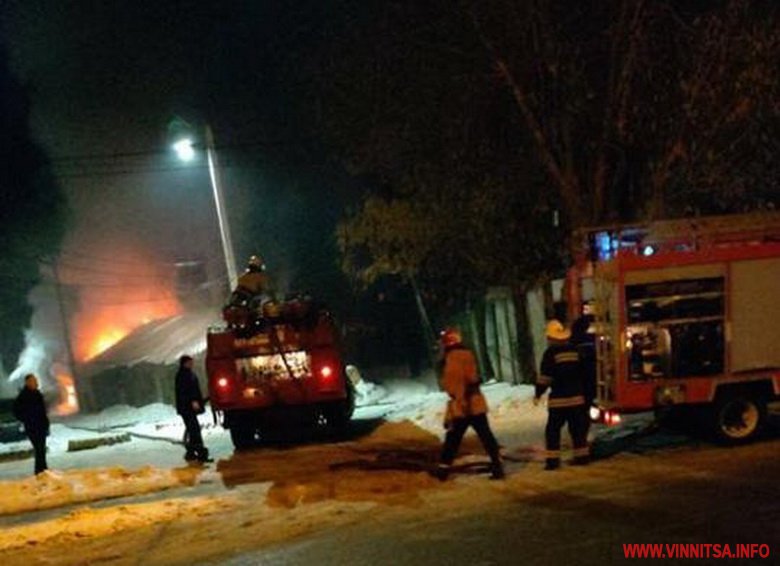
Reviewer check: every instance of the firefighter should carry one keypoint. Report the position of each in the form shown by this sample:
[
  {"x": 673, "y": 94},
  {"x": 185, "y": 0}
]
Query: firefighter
[
  {"x": 561, "y": 372},
  {"x": 30, "y": 409},
  {"x": 466, "y": 407},
  {"x": 583, "y": 338},
  {"x": 254, "y": 280},
  {"x": 190, "y": 404},
  {"x": 246, "y": 301}
]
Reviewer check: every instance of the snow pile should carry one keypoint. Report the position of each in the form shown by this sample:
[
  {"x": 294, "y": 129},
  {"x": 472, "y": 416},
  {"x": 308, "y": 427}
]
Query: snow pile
[
  {"x": 124, "y": 416},
  {"x": 509, "y": 405},
  {"x": 60, "y": 437},
  {"x": 55, "y": 489},
  {"x": 398, "y": 433},
  {"x": 155, "y": 421},
  {"x": 89, "y": 522},
  {"x": 367, "y": 393}
]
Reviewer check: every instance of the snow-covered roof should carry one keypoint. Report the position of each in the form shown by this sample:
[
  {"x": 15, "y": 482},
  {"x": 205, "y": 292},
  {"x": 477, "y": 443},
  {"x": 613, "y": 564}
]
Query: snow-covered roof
[{"x": 158, "y": 342}]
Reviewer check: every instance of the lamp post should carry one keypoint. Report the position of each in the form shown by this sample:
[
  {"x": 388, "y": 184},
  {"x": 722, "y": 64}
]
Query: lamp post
[{"x": 185, "y": 149}]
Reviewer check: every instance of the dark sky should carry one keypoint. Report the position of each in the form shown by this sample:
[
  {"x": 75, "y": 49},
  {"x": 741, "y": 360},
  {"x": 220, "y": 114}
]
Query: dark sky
[{"x": 107, "y": 77}]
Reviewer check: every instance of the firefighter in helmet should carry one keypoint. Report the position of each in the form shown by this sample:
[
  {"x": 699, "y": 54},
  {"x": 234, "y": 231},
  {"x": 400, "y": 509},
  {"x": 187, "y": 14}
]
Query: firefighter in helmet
[
  {"x": 253, "y": 285},
  {"x": 254, "y": 280},
  {"x": 562, "y": 373},
  {"x": 466, "y": 407}
]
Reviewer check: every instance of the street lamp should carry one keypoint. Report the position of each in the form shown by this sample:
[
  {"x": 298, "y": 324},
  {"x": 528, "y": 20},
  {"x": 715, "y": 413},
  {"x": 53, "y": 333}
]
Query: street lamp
[{"x": 185, "y": 149}]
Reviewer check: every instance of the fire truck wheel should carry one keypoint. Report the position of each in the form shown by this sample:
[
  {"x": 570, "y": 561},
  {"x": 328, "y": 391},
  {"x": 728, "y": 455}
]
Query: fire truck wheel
[
  {"x": 738, "y": 418},
  {"x": 242, "y": 435},
  {"x": 339, "y": 414}
]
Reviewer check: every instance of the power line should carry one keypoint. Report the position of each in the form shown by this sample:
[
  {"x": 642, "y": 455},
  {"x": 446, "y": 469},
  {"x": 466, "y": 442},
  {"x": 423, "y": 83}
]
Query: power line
[
  {"x": 166, "y": 151},
  {"x": 79, "y": 256},
  {"x": 48, "y": 260},
  {"x": 150, "y": 170}
]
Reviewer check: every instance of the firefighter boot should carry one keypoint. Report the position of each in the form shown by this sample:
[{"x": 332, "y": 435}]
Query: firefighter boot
[
  {"x": 203, "y": 455},
  {"x": 497, "y": 470},
  {"x": 190, "y": 455},
  {"x": 552, "y": 464},
  {"x": 441, "y": 472}
]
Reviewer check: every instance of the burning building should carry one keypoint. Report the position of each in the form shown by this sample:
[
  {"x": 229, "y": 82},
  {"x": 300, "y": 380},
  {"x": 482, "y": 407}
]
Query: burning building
[{"x": 110, "y": 321}]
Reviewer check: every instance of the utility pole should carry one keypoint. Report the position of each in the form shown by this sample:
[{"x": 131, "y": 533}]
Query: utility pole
[
  {"x": 224, "y": 227},
  {"x": 86, "y": 388}
]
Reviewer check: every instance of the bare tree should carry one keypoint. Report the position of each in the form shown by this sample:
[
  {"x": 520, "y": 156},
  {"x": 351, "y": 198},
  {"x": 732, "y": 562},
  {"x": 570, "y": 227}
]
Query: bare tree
[{"x": 631, "y": 104}]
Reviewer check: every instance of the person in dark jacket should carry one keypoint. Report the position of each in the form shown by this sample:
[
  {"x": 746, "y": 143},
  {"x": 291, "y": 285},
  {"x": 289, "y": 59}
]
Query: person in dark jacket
[
  {"x": 561, "y": 372},
  {"x": 30, "y": 409},
  {"x": 466, "y": 407},
  {"x": 583, "y": 337},
  {"x": 190, "y": 404}
]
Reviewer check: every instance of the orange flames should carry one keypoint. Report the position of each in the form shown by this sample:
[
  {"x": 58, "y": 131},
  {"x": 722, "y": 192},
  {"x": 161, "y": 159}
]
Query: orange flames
[
  {"x": 103, "y": 341},
  {"x": 119, "y": 290},
  {"x": 67, "y": 403}
]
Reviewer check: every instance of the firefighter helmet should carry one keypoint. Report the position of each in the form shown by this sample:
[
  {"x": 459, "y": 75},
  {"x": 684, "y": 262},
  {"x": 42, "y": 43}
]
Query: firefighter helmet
[
  {"x": 255, "y": 263},
  {"x": 272, "y": 309},
  {"x": 451, "y": 337},
  {"x": 556, "y": 331}
]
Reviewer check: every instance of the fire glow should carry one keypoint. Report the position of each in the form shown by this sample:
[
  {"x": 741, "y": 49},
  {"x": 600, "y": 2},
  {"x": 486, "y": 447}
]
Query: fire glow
[
  {"x": 67, "y": 403},
  {"x": 119, "y": 290},
  {"x": 104, "y": 341}
]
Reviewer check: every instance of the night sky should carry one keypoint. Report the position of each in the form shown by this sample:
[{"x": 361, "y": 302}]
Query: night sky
[
  {"x": 106, "y": 80},
  {"x": 315, "y": 104}
]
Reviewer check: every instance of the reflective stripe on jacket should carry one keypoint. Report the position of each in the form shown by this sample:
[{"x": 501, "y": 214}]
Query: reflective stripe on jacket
[{"x": 563, "y": 373}]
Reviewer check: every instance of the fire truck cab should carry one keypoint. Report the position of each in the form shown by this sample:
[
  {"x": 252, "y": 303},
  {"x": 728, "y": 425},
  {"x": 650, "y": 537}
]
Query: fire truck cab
[
  {"x": 278, "y": 368},
  {"x": 686, "y": 318}
]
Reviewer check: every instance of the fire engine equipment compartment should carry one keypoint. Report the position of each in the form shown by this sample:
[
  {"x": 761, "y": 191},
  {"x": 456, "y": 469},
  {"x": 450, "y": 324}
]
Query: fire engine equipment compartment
[
  {"x": 755, "y": 314},
  {"x": 675, "y": 328}
]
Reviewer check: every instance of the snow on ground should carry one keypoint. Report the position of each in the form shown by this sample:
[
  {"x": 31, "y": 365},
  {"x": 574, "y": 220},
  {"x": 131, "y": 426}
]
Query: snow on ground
[
  {"x": 273, "y": 493},
  {"x": 58, "y": 488},
  {"x": 91, "y": 522},
  {"x": 60, "y": 438},
  {"x": 124, "y": 416},
  {"x": 328, "y": 478}
]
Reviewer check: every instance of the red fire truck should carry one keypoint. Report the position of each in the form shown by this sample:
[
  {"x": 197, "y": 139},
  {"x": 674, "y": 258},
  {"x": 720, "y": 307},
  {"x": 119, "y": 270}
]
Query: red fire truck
[
  {"x": 277, "y": 367},
  {"x": 687, "y": 319}
]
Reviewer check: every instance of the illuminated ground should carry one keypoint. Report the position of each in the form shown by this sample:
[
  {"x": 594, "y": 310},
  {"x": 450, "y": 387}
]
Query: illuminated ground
[{"x": 364, "y": 499}]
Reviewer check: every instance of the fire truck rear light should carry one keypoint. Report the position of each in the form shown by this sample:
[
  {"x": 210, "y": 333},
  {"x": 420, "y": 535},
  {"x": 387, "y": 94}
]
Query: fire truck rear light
[
  {"x": 595, "y": 414},
  {"x": 326, "y": 372},
  {"x": 222, "y": 382},
  {"x": 611, "y": 418}
]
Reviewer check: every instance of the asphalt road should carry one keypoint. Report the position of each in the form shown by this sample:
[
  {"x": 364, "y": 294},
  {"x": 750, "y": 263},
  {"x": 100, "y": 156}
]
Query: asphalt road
[
  {"x": 316, "y": 504},
  {"x": 693, "y": 493}
]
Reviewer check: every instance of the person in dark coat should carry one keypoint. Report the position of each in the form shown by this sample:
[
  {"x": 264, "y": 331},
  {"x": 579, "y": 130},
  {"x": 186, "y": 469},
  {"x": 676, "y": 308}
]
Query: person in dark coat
[
  {"x": 30, "y": 409},
  {"x": 190, "y": 404},
  {"x": 561, "y": 373}
]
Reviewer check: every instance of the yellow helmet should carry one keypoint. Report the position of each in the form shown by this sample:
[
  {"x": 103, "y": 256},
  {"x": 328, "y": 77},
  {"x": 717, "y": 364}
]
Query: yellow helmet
[{"x": 556, "y": 331}]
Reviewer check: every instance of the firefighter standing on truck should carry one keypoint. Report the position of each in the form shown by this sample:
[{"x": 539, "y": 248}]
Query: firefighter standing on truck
[
  {"x": 466, "y": 407},
  {"x": 562, "y": 372},
  {"x": 253, "y": 284}
]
